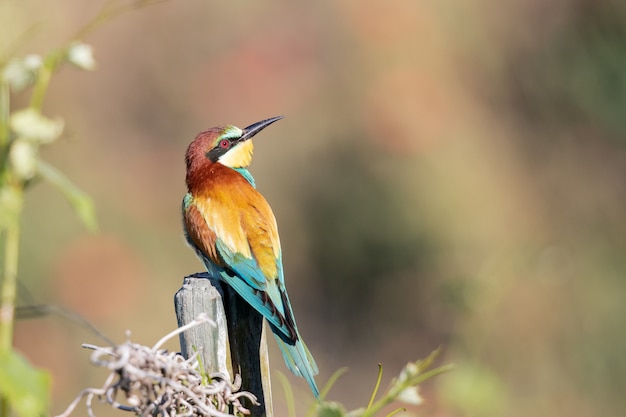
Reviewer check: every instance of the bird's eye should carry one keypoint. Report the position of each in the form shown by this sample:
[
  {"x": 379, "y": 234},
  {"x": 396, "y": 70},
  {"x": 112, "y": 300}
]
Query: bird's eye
[{"x": 224, "y": 144}]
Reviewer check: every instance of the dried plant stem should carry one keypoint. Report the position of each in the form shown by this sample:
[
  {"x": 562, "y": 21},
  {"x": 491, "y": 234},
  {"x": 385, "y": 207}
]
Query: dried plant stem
[{"x": 152, "y": 381}]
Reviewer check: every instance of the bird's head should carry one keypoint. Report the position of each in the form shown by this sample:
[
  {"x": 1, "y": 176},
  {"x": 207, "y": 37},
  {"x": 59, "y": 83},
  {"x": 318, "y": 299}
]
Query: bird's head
[{"x": 227, "y": 145}]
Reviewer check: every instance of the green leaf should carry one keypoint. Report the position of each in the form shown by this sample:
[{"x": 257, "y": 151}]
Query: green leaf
[
  {"x": 32, "y": 125},
  {"x": 291, "y": 404},
  {"x": 81, "y": 202},
  {"x": 25, "y": 388},
  {"x": 324, "y": 391},
  {"x": 331, "y": 381}
]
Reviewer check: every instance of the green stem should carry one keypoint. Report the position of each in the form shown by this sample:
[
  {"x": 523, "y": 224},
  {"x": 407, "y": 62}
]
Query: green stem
[
  {"x": 5, "y": 131},
  {"x": 380, "y": 377},
  {"x": 43, "y": 80},
  {"x": 4, "y": 113},
  {"x": 9, "y": 277}
]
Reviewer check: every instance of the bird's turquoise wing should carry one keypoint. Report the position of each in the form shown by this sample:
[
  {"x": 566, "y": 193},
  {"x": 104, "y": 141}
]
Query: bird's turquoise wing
[{"x": 267, "y": 296}]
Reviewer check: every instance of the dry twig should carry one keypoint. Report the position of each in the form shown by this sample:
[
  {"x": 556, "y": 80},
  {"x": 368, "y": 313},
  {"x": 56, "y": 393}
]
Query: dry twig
[{"x": 157, "y": 383}]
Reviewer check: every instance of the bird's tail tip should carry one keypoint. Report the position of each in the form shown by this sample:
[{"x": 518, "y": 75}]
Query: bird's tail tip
[{"x": 300, "y": 362}]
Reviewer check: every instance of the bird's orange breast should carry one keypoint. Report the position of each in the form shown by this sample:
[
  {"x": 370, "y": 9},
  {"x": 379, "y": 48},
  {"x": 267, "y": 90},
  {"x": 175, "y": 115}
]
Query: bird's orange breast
[{"x": 239, "y": 216}]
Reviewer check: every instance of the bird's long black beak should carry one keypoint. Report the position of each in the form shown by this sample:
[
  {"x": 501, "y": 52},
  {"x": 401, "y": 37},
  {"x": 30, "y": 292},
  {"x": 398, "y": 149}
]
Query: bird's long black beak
[{"x": 255, "y": 128}]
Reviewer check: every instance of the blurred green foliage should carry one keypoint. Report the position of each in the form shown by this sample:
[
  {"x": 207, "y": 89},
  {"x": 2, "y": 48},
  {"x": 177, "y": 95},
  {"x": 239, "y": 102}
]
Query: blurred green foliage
[
  {"x": 402, "y": 389},
  {"x": 578, "y": 73},
  {"x": 358, "y": 235},
  {"x": 24, "y": 389}
]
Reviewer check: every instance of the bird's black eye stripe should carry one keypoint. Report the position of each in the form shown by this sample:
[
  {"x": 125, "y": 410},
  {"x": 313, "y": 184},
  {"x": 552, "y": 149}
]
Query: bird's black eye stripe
[
  {"x": 215, "y": 153},
  {"x": 220, "y": 149}
]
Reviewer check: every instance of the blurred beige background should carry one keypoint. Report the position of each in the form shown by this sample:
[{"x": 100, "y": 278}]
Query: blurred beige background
[{"x": 449, "y": 173}]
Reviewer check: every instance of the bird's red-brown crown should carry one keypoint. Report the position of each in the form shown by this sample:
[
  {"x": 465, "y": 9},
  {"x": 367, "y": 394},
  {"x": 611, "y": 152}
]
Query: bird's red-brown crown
[{"x": 227, "y": 146}]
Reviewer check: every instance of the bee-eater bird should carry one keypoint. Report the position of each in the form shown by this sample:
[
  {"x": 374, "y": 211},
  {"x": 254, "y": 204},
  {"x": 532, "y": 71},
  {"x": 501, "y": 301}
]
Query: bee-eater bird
[{"x": 233, "y": 231}]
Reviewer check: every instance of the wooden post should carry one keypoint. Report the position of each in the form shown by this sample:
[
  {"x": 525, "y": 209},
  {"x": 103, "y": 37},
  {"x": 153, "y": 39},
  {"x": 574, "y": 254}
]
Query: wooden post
[
  {"x": 237, "y": 323},
  {"x": 199, "y": 294}
]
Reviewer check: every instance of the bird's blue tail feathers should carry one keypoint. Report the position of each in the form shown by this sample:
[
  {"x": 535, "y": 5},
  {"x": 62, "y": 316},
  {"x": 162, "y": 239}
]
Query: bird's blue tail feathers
[
  {"x": 297, "y": 356},
  {"x": 298, "y": 359}
]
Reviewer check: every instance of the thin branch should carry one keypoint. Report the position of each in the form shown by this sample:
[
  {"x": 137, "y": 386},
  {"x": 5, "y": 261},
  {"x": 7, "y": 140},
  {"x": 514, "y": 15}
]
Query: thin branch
[{"x": 38, "y": 310}]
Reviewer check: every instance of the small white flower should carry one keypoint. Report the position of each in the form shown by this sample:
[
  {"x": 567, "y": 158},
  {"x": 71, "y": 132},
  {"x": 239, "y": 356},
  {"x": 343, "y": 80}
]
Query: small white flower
[
  {"x": 19, "y": 73},
  {"x": 81, "y": 55},
  {"x": 410, "y": 395},
  {"x": 32, "y": 125},
  {"x": 32, "y": 62},
  {"x": 409, "y": 371},
  {"x": 23, "y": 157}
]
